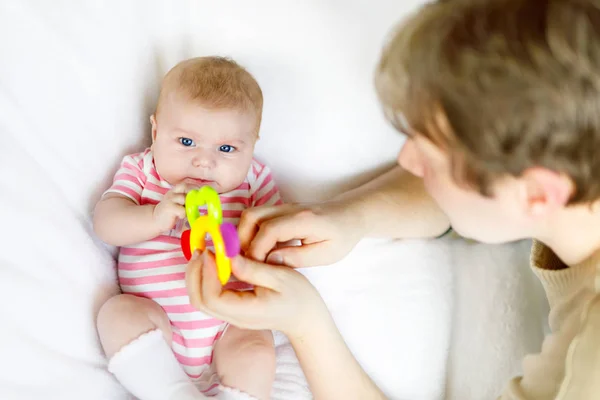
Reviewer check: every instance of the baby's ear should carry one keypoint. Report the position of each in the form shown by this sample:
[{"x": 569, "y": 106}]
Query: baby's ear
[{"x": 153, "y": 123}]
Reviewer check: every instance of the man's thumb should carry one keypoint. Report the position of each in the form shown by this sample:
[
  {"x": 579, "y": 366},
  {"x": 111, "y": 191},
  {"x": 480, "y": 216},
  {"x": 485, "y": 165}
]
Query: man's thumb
[{"x": 255, "y": 273}]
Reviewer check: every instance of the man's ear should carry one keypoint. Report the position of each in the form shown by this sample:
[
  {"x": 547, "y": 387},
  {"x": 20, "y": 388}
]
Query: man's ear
[
  {"x": 546, "y": 190},
  {"x": 153, "y": 122}
]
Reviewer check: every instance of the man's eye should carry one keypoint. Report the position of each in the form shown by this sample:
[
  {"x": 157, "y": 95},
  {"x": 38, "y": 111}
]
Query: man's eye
[
  {"x": 227, "y": 148},
  {"x": 186, "y": 142}
]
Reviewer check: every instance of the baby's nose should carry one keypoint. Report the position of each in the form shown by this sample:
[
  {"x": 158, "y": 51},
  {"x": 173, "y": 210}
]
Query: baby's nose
[{"x": 203, "y": 160}]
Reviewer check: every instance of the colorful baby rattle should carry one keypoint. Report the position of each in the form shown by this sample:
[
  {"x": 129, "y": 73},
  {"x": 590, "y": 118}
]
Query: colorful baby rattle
[{"x": 223, "y": 234}]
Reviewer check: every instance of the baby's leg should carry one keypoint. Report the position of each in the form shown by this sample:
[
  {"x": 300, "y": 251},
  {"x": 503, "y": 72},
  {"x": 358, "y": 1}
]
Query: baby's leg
[
  {"x": 245, "y": 360},
  {"x": 136, "y": 336},
  {"x": 124, "y": 318}
]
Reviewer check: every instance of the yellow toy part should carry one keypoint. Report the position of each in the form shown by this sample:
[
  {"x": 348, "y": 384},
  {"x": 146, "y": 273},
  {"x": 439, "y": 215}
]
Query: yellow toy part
[
  {"x": 199, "y": 228},
  {"x": 195, "y": 199}
]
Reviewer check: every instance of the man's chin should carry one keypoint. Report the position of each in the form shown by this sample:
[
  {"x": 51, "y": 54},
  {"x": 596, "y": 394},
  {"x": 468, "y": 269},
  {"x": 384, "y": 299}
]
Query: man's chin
[
  {"x": 481, "y": 238},
  {"x": 469, "y": 234}
]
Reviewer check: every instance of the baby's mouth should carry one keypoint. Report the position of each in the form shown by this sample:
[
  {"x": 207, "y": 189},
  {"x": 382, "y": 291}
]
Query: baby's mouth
[{"x": 201, "y": 182}]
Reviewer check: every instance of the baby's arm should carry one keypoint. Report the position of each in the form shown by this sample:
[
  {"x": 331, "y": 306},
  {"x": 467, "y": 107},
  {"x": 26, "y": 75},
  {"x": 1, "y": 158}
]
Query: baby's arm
[
  {"x": 121, "y": 218},
  {"x": 119, "y": 221}
]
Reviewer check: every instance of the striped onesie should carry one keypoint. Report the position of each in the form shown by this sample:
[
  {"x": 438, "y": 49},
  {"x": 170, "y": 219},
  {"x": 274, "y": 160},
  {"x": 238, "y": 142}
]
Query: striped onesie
[{"x": 155, "y": 269}]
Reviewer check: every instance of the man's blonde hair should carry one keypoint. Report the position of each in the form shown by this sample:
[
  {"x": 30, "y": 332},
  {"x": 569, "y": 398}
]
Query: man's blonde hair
[
  {"x": 502, "y": 85},
  {"x": 215, "y": 83}
]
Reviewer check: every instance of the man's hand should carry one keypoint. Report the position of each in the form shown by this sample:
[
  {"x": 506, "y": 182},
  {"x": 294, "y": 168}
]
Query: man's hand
[
  {"x": 282, "y": 298},
  {"x": 327, "y": 232}
]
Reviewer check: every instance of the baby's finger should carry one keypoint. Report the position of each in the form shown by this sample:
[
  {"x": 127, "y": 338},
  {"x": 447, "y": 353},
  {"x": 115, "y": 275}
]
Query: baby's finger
[
  {"x": 181, "y": 188},
  {"x": 177, "y": 210},
  {"x": 177, "y": 198}
]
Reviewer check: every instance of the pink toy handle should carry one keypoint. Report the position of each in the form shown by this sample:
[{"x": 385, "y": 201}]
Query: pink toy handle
[{"x": 231, "y": 239}]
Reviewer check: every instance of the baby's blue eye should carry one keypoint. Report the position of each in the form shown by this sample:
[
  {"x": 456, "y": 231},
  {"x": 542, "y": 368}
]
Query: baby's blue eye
[
  {"x": 186, "y": 142},
  {"x": 227, "y": 148}
]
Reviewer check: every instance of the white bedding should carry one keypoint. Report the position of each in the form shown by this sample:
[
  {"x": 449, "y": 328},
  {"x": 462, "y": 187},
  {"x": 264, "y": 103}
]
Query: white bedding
[{"x": 78, "y": 81}]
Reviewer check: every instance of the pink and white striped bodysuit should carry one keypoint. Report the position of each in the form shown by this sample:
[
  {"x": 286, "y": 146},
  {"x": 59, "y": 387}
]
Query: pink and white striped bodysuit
[{"x": 155, "y": 269}]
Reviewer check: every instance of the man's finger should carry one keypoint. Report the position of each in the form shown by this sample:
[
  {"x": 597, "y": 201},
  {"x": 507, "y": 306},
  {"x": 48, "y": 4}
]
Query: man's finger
[
  {"x": 193, "y": 280},
  {"x": 258, "y": 274},
  {"x": 223, "y": 304},
  {"x": 307, "y": 255},
  {"x": 282, "y": 229},
  {"x": 211, "y": 286},
  {"x": 252, "y": 218}
]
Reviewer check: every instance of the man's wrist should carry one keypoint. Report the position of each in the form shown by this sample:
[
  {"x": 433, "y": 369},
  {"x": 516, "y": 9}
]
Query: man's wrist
[
  {"x": 311, "y": 316},
  {"x": 356, "y": 210},
  {"x": 319, "y": 324}
]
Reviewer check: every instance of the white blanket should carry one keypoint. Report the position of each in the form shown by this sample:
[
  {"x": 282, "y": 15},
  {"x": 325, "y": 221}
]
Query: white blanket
[{"x": 78, "y": 81}]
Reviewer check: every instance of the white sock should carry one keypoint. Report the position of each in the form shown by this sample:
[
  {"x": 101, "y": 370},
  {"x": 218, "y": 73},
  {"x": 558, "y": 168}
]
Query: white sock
[{"x": 148, "y": 369}]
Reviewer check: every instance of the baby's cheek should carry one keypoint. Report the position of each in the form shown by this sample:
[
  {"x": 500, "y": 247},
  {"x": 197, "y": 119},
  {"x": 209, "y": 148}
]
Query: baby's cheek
[
  {"x": 234, "y": 175},
  {"x": 172, "y": 172}
]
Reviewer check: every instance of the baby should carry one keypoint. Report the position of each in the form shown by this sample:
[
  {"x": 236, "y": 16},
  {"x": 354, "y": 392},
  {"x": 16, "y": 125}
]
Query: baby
[{"x": 203, "y": 133}]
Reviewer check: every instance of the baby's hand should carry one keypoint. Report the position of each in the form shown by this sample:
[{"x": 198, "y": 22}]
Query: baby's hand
[{"x": 171, "y": 208}]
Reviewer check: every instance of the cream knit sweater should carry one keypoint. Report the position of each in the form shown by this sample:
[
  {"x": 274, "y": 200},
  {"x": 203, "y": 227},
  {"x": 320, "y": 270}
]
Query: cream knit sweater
[{"x": 568, "y": 365}]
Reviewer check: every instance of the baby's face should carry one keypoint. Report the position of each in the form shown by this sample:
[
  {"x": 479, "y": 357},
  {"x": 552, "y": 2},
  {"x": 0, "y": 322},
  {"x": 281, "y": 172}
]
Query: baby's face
[{"x": 200, "y": 146}]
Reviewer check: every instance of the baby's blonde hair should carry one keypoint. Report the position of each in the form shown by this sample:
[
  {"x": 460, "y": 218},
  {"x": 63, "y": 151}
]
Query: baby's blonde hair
[{"x": 215, "y": 83}]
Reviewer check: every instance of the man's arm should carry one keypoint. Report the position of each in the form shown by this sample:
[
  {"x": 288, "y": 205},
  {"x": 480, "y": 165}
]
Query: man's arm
[
  {"x": 330, "y": 368},
  {"x": 396, "y": 205},
  {"x": 283, "y": 299}
]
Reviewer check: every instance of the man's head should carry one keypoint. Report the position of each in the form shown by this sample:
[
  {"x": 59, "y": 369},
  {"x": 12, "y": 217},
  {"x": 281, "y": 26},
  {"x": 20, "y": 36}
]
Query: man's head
[
  {"x": 206, "y": 123},
  {"x": 501, "y": 103}
]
